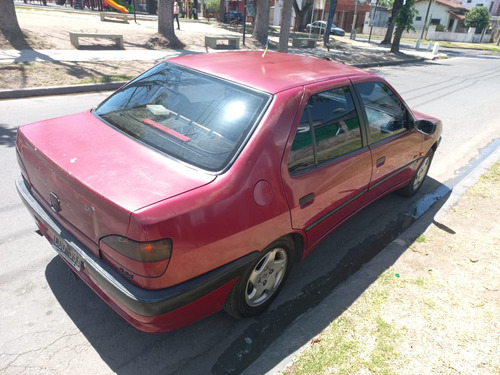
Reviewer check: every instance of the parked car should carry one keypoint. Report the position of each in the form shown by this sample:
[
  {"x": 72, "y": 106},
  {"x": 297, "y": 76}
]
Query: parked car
[
  {"x": 234, "y": 17},
  {"x": 319, "y": 27},
  {"x": 197, "y": 185}
]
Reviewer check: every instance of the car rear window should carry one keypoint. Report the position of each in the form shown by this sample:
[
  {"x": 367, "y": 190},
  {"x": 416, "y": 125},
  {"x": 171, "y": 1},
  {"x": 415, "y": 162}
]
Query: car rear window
[{"x": 196, "y": 118}]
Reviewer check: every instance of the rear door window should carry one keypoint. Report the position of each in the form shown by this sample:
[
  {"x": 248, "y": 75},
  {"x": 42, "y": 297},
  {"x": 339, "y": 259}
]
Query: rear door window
[{"x": 329, "y": 128}]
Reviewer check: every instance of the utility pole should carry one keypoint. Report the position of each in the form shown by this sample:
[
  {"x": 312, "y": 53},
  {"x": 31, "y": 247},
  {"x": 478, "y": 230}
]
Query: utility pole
[
  {"x": 333, "y": 6},
  {"x": 373, "y": 21},
  {"x": 425, "y": 21},
  {"x": 353, "y": 29}
]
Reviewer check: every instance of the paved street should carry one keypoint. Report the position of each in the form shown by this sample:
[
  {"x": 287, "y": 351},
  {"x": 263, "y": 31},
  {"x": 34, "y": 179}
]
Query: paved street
[{"x": 53, "y": 324}]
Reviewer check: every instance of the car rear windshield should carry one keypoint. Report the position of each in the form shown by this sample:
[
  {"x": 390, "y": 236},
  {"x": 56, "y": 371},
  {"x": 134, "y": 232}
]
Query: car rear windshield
[{"x": 193, "y": 117}]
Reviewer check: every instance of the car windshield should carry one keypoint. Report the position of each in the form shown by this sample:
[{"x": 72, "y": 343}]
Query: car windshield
[{"x": 193, "y": 117}]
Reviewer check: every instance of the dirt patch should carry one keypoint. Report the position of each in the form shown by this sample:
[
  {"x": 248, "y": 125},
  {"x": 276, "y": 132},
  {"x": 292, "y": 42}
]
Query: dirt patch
[{"x": 42, "y": 74}]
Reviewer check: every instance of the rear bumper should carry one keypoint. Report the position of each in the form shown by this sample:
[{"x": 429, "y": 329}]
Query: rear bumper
[{"x": 148, "y": 310}]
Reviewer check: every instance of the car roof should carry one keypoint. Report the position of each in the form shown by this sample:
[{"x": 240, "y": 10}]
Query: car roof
[{"x": 272, "y": 72}]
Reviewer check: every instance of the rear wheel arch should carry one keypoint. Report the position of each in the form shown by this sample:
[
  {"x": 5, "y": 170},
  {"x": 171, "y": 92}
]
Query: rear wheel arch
[{"x": 263, "y": 279}]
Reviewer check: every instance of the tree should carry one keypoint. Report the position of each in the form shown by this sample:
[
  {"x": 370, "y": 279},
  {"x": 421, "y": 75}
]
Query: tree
[
  {"x": 286, "y": 19},
  {"x": 396, "y": 6},
  {"x": 479, "y": 17},
  {"x": 166, "y": 23},
  {"x": 9, "y": 26},
  {"x": 301, "y": 14},
  {"x": 222, "y": 10},
  {"x": 213, "y": 6},
  {"x": 261, "y": 26},
  {"x": 403, "y": 22}
]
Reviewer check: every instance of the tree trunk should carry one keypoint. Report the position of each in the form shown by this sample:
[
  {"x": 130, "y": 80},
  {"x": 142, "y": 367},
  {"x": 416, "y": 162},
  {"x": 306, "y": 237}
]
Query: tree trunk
[
  {"x": 222, "y": 10},
  {"x": 302, "y": 14},
  {"x": 397, "y": 39},
  {"x": 261, "y": 27},
  {"x": 286, "y": 20},
  {"x": 166, "y": 23},
  {"x": 10, "y": 27},
  {"x": 396, "y": 7}
]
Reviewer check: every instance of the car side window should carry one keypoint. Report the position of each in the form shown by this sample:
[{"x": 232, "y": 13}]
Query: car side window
[
  {"x": 386, "y": 114},
  {"x": 328, "y": 128}
]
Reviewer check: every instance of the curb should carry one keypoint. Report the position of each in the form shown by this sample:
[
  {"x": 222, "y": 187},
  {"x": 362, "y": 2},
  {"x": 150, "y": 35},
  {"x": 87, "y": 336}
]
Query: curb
[
  {"x": 60, "y": 90},
  {"x": 111, "y": 86},
  {"x": 390, "y": 63}
]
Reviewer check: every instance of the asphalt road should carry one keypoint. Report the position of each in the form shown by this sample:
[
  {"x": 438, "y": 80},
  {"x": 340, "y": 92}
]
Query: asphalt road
[{"x": 52, "y": 323}]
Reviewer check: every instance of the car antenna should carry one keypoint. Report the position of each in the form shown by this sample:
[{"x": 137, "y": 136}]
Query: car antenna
[{"x": 265, "y": 51}]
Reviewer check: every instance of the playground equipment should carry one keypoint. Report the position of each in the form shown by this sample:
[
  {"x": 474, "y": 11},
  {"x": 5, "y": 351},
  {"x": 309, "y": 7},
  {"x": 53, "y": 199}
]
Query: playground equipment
[{"x": 116, "y": 5}]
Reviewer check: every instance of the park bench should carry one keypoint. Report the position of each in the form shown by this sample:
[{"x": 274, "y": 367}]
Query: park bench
[
  {"x": 73, "y": 37},
  {"x": 233, "y": 42},
  {"x": 304, "y": 42},
  {"x": 122, "y": 16}
]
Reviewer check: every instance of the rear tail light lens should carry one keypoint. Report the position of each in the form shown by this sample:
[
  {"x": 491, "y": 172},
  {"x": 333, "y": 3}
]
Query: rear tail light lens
[
  {"x": 141, "y": 251},
  {"x": 136, "y": 260}
]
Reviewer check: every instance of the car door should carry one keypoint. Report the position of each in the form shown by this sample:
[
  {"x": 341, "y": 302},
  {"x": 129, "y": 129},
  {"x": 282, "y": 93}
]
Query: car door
[
  {"x": 393, "y": 140},
  {"x": 327, "y": 167}
]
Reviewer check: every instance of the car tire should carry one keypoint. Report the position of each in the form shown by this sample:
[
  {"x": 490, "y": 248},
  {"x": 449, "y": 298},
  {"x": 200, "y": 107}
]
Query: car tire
[
  {"x": 419, "y": 176},
  {"x": 261, "y": 282}
]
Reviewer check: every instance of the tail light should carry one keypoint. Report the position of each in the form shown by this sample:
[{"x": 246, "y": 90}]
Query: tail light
[{"x": 133, "y": 258}]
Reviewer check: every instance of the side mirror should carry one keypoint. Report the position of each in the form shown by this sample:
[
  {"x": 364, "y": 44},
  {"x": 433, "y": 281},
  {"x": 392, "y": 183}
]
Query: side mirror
[{"x": 426, "y": 127}]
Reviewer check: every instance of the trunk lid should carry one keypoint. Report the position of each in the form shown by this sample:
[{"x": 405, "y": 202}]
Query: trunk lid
[{"x": 99, "y": 175}]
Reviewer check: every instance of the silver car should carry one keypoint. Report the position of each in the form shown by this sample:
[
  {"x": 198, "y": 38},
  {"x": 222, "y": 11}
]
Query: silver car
[{"x": 319, "y": 27}]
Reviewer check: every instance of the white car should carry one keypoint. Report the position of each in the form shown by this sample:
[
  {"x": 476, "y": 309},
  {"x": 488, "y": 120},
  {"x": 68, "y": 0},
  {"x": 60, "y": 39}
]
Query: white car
[{"x": 320, "y": 27}]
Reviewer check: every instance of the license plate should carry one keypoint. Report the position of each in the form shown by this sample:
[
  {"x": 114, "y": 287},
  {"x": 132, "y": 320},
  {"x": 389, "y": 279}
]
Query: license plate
[{"x": 65, "y": 250}]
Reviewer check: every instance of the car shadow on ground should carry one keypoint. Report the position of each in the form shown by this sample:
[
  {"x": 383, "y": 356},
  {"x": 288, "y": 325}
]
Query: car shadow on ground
[{"x": 221, "y": 345}]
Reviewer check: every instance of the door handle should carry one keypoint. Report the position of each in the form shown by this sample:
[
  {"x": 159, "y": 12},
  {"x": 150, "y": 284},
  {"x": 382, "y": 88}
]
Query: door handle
[
  {"x": 306, "y": 200},
  {"x": 380, "y": 161}
]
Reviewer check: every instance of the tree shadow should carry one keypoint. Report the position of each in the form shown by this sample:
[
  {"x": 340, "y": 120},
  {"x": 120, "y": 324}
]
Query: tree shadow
[
  {"x": 17, "y": 41},
  {"x": 7, "y": 136}
]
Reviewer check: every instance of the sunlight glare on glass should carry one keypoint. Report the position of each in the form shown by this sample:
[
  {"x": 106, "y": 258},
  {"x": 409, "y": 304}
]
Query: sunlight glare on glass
[{"x": 234, "y": 111}]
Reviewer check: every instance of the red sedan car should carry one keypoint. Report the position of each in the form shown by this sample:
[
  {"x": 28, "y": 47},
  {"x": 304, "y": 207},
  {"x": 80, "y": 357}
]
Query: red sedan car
[{"x": 197, "y": 185}]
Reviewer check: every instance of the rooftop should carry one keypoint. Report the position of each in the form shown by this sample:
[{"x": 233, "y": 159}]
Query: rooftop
[{"x": 272, "y": 72}]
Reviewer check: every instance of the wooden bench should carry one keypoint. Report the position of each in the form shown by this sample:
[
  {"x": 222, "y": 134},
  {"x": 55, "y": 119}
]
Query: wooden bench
[
  {"x": 73, "y": 37},
  {"x": 233, "y": 42},
  {"x": 122, "y": 16},
  {"x": 304, "y": 42}
]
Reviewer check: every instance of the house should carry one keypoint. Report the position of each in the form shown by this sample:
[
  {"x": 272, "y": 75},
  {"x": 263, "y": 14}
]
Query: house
[
  {"x": 447, "y": 13},
  {"x": 493, "y": 6}
]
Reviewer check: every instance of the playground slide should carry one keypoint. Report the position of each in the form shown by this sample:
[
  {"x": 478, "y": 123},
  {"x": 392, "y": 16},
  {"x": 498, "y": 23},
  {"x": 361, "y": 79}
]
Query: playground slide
[{"x": 117, "y": 6}]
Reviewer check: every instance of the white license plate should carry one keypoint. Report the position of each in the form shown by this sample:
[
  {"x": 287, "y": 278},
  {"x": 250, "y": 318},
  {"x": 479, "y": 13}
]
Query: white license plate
[{"x": 64, "y": 249}]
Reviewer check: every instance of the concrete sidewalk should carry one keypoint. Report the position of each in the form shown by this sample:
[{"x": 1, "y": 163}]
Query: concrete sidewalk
[{"x": 53, "y": 55}]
